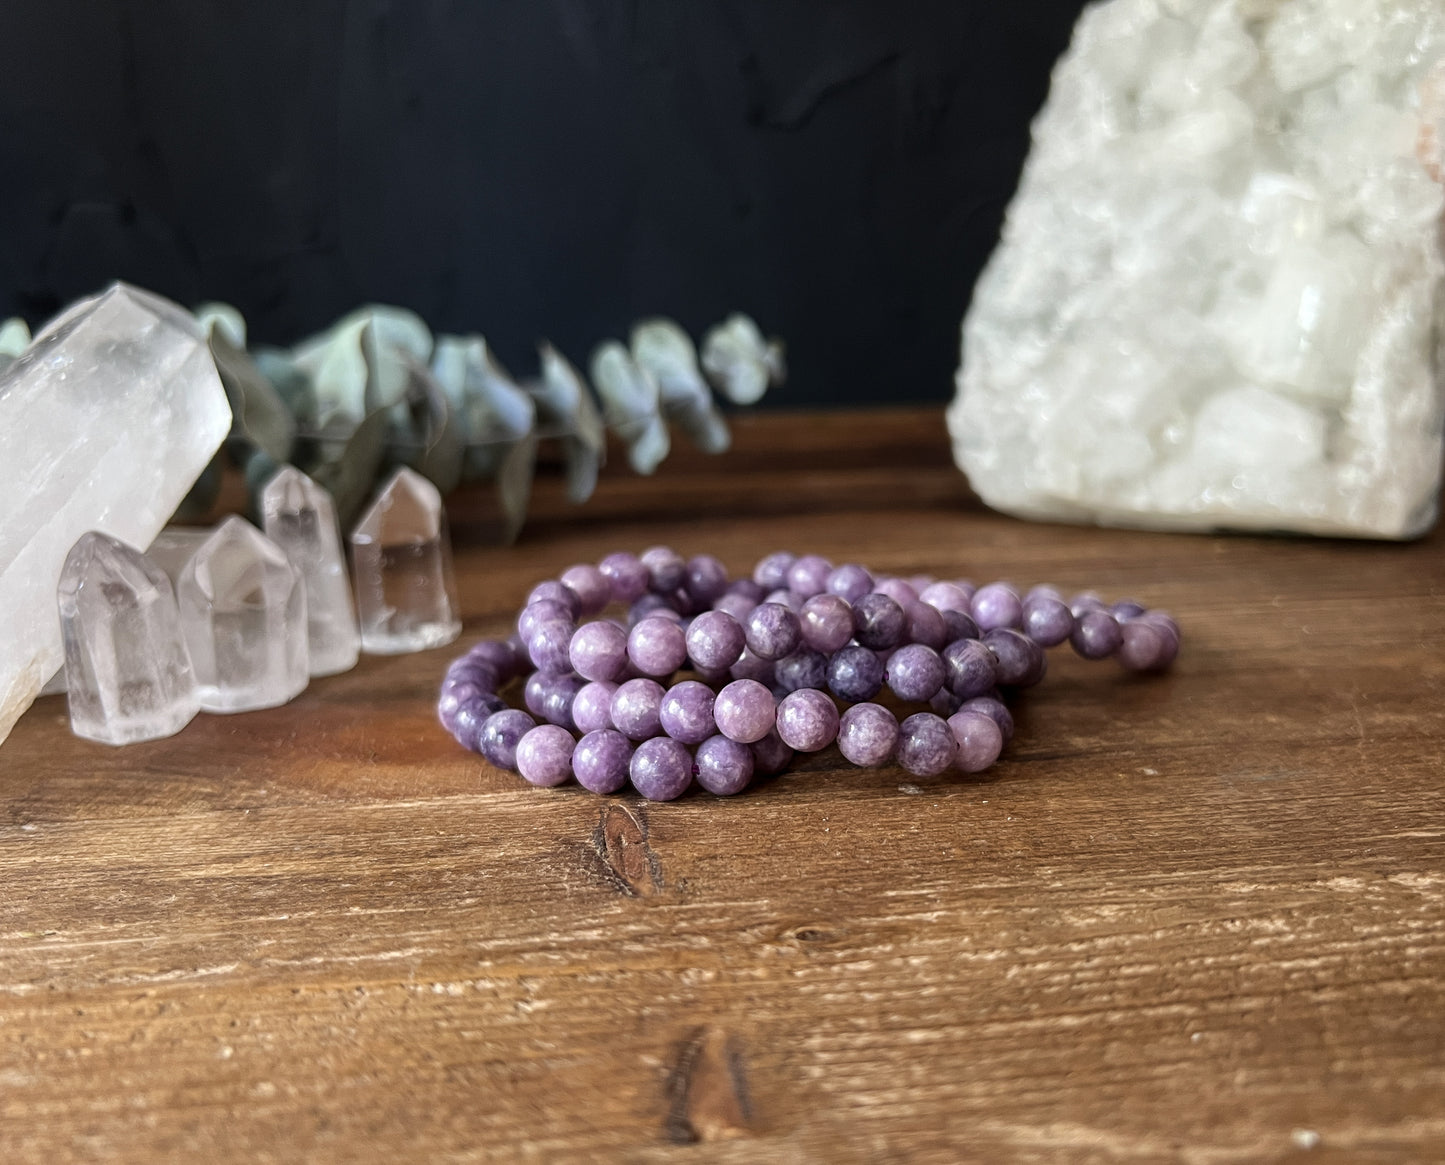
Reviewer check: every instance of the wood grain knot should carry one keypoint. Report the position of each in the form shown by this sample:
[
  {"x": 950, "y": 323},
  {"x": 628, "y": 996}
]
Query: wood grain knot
[
  {"x": 707, "y": 1090},
  {"x": 621, "y": 853}
]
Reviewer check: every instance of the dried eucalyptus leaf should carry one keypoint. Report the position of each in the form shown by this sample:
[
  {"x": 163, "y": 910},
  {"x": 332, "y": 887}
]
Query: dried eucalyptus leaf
[
  {"x": 631, "y": 405},
  {"x": 429, "y": 438},
  {"x": 203, "y": 494},
  {"x": 663, "y": 349},
  {"x": 345, "y": 463},
  {"x": 514, "y": 484},
  {"x": 224, "y": 318},
  {"x": 259, "y": 417},
  {"x": 336, "y": 367},
  {"x": 291, "y": 383},
  {"x": 565, "y": 406},
  {"x": 739, "y": 362}
]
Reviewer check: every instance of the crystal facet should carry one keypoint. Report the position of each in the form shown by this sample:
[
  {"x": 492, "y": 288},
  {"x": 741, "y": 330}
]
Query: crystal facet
[
  {"x": 300, "y": 518},
  {"x": 126, "y": 666},
  {"x": 105, "y": 422},
  {"x": 401, "y": 559},
  {"x": 175, "y": 546},
  {"x": 243, "y": 612}
]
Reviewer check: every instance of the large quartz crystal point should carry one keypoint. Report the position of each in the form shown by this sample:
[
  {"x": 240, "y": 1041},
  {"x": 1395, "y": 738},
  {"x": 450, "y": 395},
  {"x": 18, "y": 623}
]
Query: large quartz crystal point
[
  {"x": 401, "y": 556},
  {"x": 243, "y": 612},
  {"x": 1218, "y": 299},
  {"x": 105, "y": 421},
  {"x": 298, "y": 516},
  {"x": 126, "y": 665}
]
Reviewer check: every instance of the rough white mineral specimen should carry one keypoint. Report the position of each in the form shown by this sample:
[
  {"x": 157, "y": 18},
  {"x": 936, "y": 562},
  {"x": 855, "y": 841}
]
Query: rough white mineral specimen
[
  {"x": 1218, "y": 299},
  {"x": 105, "y": 422}
]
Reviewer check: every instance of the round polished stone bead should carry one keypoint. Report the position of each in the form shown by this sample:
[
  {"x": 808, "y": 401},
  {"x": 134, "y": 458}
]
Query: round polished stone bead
[
  {"x": 682, "y": 603},
  {"x": 1170, "y": 631},
  {"x": 553, "y": 591},
  {"x": 454, "y": 696},
  {"x": 1047, "y": 619},
  {"x": 771, "y": 572},
  {"x": 661, "y": 769},
  {"x": 997, "y": 605},
  {"x": 601, "y": 759},
  {"x": 827, "y": 623},
  {"x": 468, "y": 721},
  {"x": 497, "y": 655},
  {"x": 899, "y": 590},
  {"x": 978, "y": 738},
  {"x": 971, "y": 669},
  {"x": 924, "y": 624},
  {"x": 1096, "y": 633},
  {"x": 534, "y": 690},
  {"x": 598, "y": 650},
  {"x": 996, "y": 710},
  {"x": 744, "y": 711},
  {"x": 753, "y": 667},
  {"x": 1146, "y": 646},
  {"x": 1021, "y": 661},
  {"x": 592, "y": 709},
  {"x": 549, "y": 646},
  {"x": 665, "y": 569},
  {"x": 519, "y": 652},
  {"x": 651, "y": 604},
  {"x": 533, "y": 615},
  {"x": 470, "y": 673},
  {"x": 636, "y": 708},
  {"x": 944, "y": 703},
  {"x": 544, "y": 755},
  {"x": 593, "y": 590},
  {"x": 868, "y": 735},
  {"x": 786, "y": 598},
  {"x": 772, "y": 631},
  {"x": 706, "y": 579},
  {"x": 748, "y": 588},
  {"x": 715, "y": 640},
  {"x": 724, "y": 766},
  {"x": 770, "y": 755},
  {"x": 686, "y": 712},
  {"x": 557, "y": 699},
  {"x": 808, "y": 576},
  {"x": 627, "y": 578},
  {"x": 501, "y": 733},
  {"x": 656, "y": 646},
  {"x": 959, "y": 625},
  {"x": 1086, "y": 601},
  {"x": 915, "y": 673},
  {"x": 1126, "y": 609},
  {"x": 736, "y": 604},
  {"x": 807, "y": 720},
  {"x": 802, "y": 669},
  {"x": 946, "y": 596},
  {"x": 849, "y": 582},
  {"x": 925, "y": 745},
  {"x": 854, "y": 674},
  {"x": 878, "y": 622}
]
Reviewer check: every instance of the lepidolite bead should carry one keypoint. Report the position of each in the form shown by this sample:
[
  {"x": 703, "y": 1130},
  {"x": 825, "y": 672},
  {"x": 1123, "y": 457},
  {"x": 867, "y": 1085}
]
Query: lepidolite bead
[
  {"x": 1146, "y": 646},
  {"x": 1086, "y": 601},
  {"x": 771, "y": 572},
  {"x": 534, "y": 691},
  {"x": 454, "y": 696},
  {"x": 855, "y": 674},
  {"x": 598, "y": 651},
  {"x": 899, "y": 590},
  {"x": 878, "y": 622},
  {"x": 771, "y": 755},
  {"x": 849, "y": 582},
  {"x": 636, "y": 708},
  {"x": 533, "y": 615},
  {"x": 661, "y": 769},
  {"x": 497, "y": 655},
  {"x": 996, "y": 605},
  {"x": 924, "y": 624},
  {"x": 827, "y": 623},
  {"x": 594, "y": 591},
  {"x": 544, "y": 755},
  {"x": 995, "y": 710},
  {"x": 549, "y": 646},
  {"x": 657, "y": 646},
  {"x": 978, "y": 738},
  {"x": 1096, "y": 633},
  {"x": 786, "y": 598},
  {"x": 748, "y": 588},
  {"x": 1021, "y": 661},
  {"x": 736, "y": 604},
  {"x": 501, "y": 734},
  {"x": 706, "y": 579},
  {"x": 915, "y": 673},
  {"x": 650, "y": 605},
  {"x": 557, "y": 698},
  {"x": 772, "y": 631},
  {"x": 724, "y": 766},
  {"x": 1126, "y": 609},
  {"x": 802, "y": 669},
  {"x": 958, "y": 625},
  {"x": 469, "y": 720},
  {"x": 665, "y": 569},
  {"x": 807, "y": 720},
  {"x": 868, "y": 735},
  {"x": 926, "y": 746},
  {"x": 686, "y": 713},
  {"x": 601, "y": 759},
  {"x": 552, "y": 591},
  {"x": 808, "y": 576},
  {"x": 753, "y": 667},
  {"x": 1047, "y": 619},
  {"x": 626, "y": 577},
  {"x": 592, "y": 709},
  {"x": 715, "y": 640},
  {"x": 744, "y": 711},
  {"x": 946, "y": 596}
]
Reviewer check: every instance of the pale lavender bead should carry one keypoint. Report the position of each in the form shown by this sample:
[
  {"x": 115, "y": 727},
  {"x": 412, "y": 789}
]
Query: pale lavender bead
[
  {"x": 593, "y": 590},
  {"x": 745, "y": 711},
  {"x": 1126, "y": 609},
  {"x": 753, "y": 667},
  {"x": 555, "y": 592},
  {"x": 995, "y": 710},
  {"x": 601, "y": 759},
  {"x": 471, "y": 673},
  {"x": 1146, "y": 646},
  {"x": 592, "y": 709},
  {"x": 533, "y": 692},
  {"x": 878, "y": 622},
  {"x": 544, "y": 755},
  {"x": 736, "y": 604},
  {"x": 897, "y": 589},
  {"x": 453, "y": 697},
  {"x": 1086, "y": 601},
  {"x": 549, "y": 646},
  {"x": 533, "y": 615},
  {"x": 748, "y": 588},
  {"x": 807, "y": 720},
  {"x": 946, "y": 596},
  {"x": 636, "y": 708},
  {"x": 802, "y": 669},
  {"x": 724, "y": 766},
  {"x": 868, "y": 735},
  {"x": 770, "y": 755},
  {"x": 715, "y": 640},
  {"x": 978, "y": 738},
  {"x": 661, "y": 769},
  {"x": 772, "y": 572},
  {"x": 849, "y": 581},
  {"x": 657, "y": 646},
  {"x": 626, "y": 577},
  {"x": 785, "y": 598},
  {"x": 1047, "y": 619},
  {"x": 915, "y": 673},
  {"x": 920, "y": 582},
  {"x": 598, "y": 651},
  {"x": 665, "y": 569},
  {"x": 924, "y": 624},
  {"x": 501, "y": 734},
  {"x": 706, "y": 579},
  {"x": 971, "y": 668},
  {"x": 1096, "y": 633},
  {"x": 1170, "y": 630},
  {"x": 996, "y": 605},
  {"x": 808, "y": 576},
  {"x": 558, "y": 695},
  {"x": 827, "y": 623},
  {"x": 1021, "y": 661},
  {"x": 497, "y": 655},
  {"x": 1043, "y": 591},
  {"x": 686, "y": 712},
  {"x": 959, "y": 625},
  {"x": 772, "y": 631},
  {"x": 855, "y": 674},
  {"x": 650, "y": 605},
  {"x": 925, "y": 745}
]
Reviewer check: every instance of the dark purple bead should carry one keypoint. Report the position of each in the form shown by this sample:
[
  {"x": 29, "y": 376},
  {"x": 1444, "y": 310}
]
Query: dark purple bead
[
  {"x": 657, "y": 646},
  {"x": 682, "y": 602},
  {"x": 1021, "y": 661},
  {"x": 772, "y": 572},
  {"x": 926, "y": 746},
  {"x": 827, "y": 623},
  {"x": 593, "y": 589},
  {"x": 736, "y": 604},
  {"x": 1146, "y": 645},
  {"x": 978, "y": 738},
  {"x": 1047, "y": 620},
  {"x": 925, "y": 625},
  {"x": 878, "y": 622},
  {"x": 944, "y": 703},
  {"x": 592, "y": 708},
  {"x": 849, "y": 582},
  {"x": 533, "y": 615},
  {"x": 665, "y": 569},
  {"x": 868, "y": 735},
  {"x": 686, "y": 712},
  {"x": 557, "y": 700},
  {"x": 550, "y": 647},
  {"x": 627, "y": 578},
  {"x": 958, "y": 625},
  {"x": 1096, "y": 633},
  {"x": 553, "y": 591},
  {"x": 454, "y": 696},
  {"x": 772, "y": 631},
  {"x": 971, "y": 668},
  {"x": 468, "y": 721},
  {"x": 995, "y": 710},
  {"x": 807, "y": 720},
  {"x": 897, "y": 589},
  {"x": 915, "y": 673},
  {"x": 946, "y": 596},
  {"x": 724, "y": 766},
  {"x": 715, "y": 640},
  {"x": 706, "y": 579},
  {"x": 771, "y": 755},
  {"x": 787, "y": 599},
  {"x": 808, "y": 576},
  {"x": 752, "y": 667},
  {"x": 745, "y": 711},
  {"x": 1086, "y": 601},
  {"x": 501, "y": 734},
  {"x": 496, "y": 654},
  {"x": 661, "y": 769},
  {"x": 649, "y": 604},
  {"x": 1126, "y": 609},
  {"x": 544, "y": 755},
  {"x": 802, "y": 669},
  {"x": 466, "y": 672},
  {"x": 855, "y": 674},
  {"x": 636, "y": 709},
  {"x": 601, "y": 760},
  {"x": 598, "y": 651},
  {"x": 996, "y": 605},
  {"x": 748, "y": 589},
  {"x": 534, "y": 691}
]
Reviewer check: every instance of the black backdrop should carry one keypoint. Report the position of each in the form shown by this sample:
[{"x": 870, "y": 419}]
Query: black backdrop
[{"x": 529, "y": 168}]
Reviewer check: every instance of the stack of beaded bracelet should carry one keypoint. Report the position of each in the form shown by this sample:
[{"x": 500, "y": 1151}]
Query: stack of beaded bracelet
[{"x": 798, "y": 626}]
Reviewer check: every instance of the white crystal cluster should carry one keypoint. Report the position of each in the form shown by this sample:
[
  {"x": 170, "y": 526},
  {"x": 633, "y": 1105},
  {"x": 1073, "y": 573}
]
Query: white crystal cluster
[{"x": 1218, "y": 299}]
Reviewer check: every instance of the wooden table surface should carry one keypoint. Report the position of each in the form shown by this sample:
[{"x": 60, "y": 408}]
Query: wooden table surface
[{"x": 1196, "y": 918}]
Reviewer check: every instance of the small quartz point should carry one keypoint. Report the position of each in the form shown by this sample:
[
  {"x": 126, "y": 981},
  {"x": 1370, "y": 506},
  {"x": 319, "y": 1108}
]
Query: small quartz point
[
  {"x": 126, "y": 665},
  {"x": 300, "y": 518},
  {"x": 243, "y": 611},
  {"x": 175, "y": 546},
  {"x": 401, "y": 557}
]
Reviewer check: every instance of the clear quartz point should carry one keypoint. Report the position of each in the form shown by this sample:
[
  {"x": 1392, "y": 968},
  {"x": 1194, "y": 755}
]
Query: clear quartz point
[
  {"x": 126, "y": 665},
  {"x": 401, "y": 558},
  {"x": 175, "y": 546},
  {"x": 243, "y": 612},
  {"x": 299, "y": 517}
]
